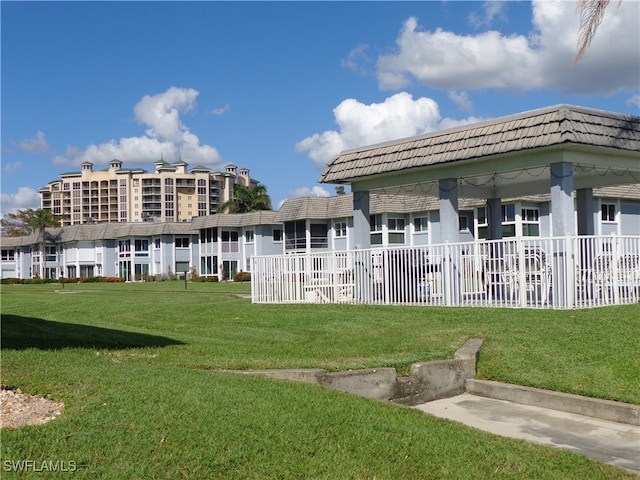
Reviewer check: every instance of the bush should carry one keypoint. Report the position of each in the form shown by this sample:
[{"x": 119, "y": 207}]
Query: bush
[
  {"x": 204, "y": 279},
  {"x": 242, "y": 277}
]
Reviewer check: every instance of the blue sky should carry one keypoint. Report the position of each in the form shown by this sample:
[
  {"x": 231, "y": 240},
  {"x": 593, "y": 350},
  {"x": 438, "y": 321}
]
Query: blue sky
[{"x": 281, "y": 87}]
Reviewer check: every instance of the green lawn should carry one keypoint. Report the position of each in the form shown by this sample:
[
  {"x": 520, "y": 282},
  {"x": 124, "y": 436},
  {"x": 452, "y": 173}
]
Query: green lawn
[{"x": 140, "y": 368}]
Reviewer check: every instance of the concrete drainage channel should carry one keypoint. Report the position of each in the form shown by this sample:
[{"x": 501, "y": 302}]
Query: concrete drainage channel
[
  {"x": 440, "y": 379},
  {"x": 604, "y": 430}
]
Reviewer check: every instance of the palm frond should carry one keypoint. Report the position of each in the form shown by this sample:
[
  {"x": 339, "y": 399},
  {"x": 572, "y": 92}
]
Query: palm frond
[{"x": 591, "y": 15}]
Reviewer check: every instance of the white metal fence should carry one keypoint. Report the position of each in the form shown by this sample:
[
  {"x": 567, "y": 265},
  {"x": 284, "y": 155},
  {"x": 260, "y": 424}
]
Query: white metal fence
[{"x": 530, "y": 272}]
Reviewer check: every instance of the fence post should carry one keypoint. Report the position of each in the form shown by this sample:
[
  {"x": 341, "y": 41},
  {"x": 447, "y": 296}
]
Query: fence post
[
  {"x": 521, "y": 272},
  {"x": 570, "y": 271},
  {"x": 615, "y": 262}
]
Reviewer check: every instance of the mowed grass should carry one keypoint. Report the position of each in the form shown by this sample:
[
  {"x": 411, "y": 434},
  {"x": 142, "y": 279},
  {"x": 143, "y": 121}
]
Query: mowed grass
[{"x": 141, "y": 369}]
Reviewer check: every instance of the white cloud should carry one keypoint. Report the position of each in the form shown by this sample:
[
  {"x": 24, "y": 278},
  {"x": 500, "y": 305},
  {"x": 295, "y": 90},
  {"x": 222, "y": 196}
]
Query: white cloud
[
  {"x": 221, "y": 110},
  {"x": 462, "y": 100},
  {"x": 302, "y": 192},
  {"x": 37, "y": 144},
  {"x": 398, "y": 116},
  {"x": 308, "y": 192},
  {"x": 24, "y": 198},
  {"x": 12, "y": 167},
  {"x": 634, "y": 101},
  {"x": 490, "y": 11},
  {"x": 448, "y": 61},
  {"x": 358, "y": 60},
  {"x": 166, "y": 135}
]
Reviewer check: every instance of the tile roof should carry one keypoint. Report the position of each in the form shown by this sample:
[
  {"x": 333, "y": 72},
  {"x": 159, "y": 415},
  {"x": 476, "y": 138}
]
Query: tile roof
[
  {"x": 324, "y": 208},
  {"x": 552, "y": 126},
  {"x": 237, "y": 220}
]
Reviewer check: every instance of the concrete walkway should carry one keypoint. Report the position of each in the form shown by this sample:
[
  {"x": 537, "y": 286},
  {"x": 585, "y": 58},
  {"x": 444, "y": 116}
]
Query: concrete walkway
[{"x": 607, "y": 441}]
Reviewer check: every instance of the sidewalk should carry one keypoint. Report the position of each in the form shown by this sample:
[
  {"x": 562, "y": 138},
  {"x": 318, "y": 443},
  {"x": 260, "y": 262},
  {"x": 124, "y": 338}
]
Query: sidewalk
[{"x": 609, "y": 442}]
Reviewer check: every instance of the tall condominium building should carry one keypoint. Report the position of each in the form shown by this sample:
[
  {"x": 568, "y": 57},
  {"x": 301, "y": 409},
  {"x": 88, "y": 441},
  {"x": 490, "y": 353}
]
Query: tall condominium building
[{"x": 115, "y": 194}]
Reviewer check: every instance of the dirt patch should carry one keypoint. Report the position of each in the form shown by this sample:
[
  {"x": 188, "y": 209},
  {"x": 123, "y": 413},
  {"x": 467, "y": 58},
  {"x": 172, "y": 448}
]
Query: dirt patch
[{"x": 19, "y": 409}]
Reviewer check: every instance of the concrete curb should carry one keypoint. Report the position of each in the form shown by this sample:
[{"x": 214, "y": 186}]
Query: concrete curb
[
  {"x": 428, "y": 380},
  {"x": 564, "y": 402}
]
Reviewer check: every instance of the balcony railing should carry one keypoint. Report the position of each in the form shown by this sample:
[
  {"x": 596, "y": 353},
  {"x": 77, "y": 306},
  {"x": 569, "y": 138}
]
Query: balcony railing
[{"x": 531, "y": 272}]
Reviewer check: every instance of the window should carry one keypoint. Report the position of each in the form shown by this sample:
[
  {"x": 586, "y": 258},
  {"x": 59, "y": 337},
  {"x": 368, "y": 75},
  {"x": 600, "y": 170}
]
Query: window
[
  {"x": 229, "y": 241},
  {"x": 340, "y": 227},
  {"x": 530, "y": 222},
  {"x": 396, "y": 230},
  {"x": 124, "y": 247},
  {"x": 277, "y": 235},
  {"x": 157, "y": 243},
  {"x": 465, "y": 221},
  {"x": 509, "y": 220},
  {"x": 296, "y": 235},
  {"x": 421, "y": 224},
  {"x": 182, "y": 267},
  {"x": 375, "y": 221},
  {"x": 249, "y": 236},
  {"x": 608, "y": 212},
  {"x": 141, "y": 270},
  {"x": 208, "y": 265},
  {"x": 50, "y": 253},
  {"x": 483, "y": 223},
  {"x": 319, "y": 235},
  {"x": 208, "y": 235},
  {"x": 141, "y": 248},
  {"x": 8, "y": 254},
  {"x": 182, "y": 242}
]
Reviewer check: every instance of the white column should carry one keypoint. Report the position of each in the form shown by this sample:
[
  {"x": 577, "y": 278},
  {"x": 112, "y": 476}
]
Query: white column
[
  {"x": 562, "y": 224},
  {"x": 449, "y": 224},
  {"x": 562, "y": 209},
  {"x": 494, "y": 212},
  {"x": 361, "y": 226},
  {"x": 450, "y": 233}
]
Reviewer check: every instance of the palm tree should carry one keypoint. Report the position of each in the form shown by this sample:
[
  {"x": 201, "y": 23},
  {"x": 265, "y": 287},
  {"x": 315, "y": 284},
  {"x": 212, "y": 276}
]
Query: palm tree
[
  {"x": 16, "y": 224},
  {"x": 591, "y": 14},
  {"x": 246, "y": 199},
  {"x": 40, "y": 220}
]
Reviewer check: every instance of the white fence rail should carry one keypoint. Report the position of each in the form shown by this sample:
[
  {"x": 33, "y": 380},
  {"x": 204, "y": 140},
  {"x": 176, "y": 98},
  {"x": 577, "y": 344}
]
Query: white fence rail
[{"x": 531, "y": 272}]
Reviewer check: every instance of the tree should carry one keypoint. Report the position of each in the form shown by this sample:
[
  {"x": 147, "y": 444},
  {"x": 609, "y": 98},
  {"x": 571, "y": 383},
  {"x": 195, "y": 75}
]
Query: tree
[
  {"x": 247, "y": 199},
  {"x": 17, "y": 224},
  {"x": 25, "y": 222},
  {"x": 591, "y": 14}
]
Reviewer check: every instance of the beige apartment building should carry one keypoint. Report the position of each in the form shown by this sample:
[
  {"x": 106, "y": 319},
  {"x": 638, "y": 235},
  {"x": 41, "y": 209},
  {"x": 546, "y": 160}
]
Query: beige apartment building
[{"x": 171, "y": 193}]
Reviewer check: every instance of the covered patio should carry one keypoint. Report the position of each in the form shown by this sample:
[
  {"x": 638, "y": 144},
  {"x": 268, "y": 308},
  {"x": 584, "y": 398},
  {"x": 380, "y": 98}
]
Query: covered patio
[{"x": 563, "y": 151}]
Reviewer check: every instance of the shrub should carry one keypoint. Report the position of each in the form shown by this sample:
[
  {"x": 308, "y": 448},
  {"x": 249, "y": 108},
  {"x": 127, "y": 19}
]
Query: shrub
[{"x": 242, "y": 277}]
